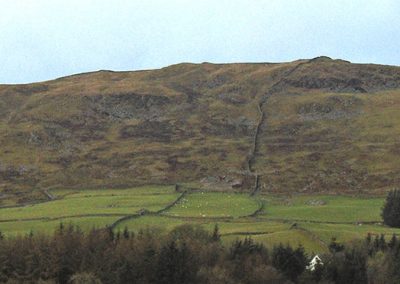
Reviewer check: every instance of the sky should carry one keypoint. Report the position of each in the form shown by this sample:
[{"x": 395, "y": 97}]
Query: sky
[{"x": 45, "y": 39}]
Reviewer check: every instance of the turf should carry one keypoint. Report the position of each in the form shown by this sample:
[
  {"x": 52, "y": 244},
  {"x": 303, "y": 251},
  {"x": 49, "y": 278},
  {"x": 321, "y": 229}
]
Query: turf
[
  {"x": 95, "y": 205},
  {"x": 146, "y": 222},
  {"x": 139, "y": 191},
  {"x": 215, "y": 205},
  {"x": 347, "y": 232},
  {"x": 334, "y": 209},
  {"x": 309, "y": 220},
  {"x": 46, "y": 227},
  {"x": 84, "y": 208},
  {"x": 246, "y": 227},
  {"x": 291, "y": 237}
]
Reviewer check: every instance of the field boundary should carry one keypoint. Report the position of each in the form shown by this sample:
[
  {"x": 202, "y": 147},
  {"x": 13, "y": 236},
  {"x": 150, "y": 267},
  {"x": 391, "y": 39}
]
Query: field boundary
[
  {"x": 148, "y": 213},
  {"x": 48, "y": 195},
  {"x": 248, "y": 233},
  {"x": 260, "y": 208},
  {"x": 169, "y": 206},
  {"x": 312, "y": 235},
  {"x": 61, "y": 217},
  {"x": 282, "y": 220},
  {"x": 255, "y": 146}
]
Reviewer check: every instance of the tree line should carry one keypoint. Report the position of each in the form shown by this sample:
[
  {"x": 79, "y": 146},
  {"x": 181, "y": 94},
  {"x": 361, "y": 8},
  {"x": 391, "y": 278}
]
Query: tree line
[{"x": 188, "y": 254}]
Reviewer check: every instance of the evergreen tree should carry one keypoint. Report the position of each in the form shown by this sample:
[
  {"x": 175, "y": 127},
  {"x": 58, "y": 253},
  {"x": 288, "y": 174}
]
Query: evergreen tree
[
  {"x": 393, "y": 242},
  {"x": 382, "y": 243},
  {"x": 290, "y": 262},
  {"x": 334, "y": 246},
  {"x": 216, "y": 236},
  {"x": 126, "y": 273},
  {"x": 368, "y": 239},
  {"x": 391, "y": 209},
  {"x": 175, "y": 265},
  {"x": 125, "y": 234},
  {"x": 354, "y": 269}
]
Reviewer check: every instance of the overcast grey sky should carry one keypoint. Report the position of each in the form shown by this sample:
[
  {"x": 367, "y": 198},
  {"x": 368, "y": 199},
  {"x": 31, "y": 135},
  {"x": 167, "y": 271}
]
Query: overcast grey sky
[{"x": 45, "y": 39}]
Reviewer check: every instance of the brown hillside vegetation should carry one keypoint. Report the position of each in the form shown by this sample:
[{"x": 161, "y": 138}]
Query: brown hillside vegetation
[{"x": 305, "y": 126}]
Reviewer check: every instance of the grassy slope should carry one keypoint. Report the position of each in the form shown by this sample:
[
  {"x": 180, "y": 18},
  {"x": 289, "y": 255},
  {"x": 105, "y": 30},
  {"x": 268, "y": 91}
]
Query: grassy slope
[
  {"x": 351, "y": 149},
  {"x": 196, "y": 122}
]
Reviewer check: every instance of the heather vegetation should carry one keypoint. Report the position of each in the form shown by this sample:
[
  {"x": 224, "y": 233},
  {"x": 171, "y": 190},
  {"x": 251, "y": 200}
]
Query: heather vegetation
[{"x": 318, "y": 125}]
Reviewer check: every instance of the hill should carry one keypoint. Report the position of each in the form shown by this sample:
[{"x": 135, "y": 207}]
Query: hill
[{"x": 318, "y": 125}]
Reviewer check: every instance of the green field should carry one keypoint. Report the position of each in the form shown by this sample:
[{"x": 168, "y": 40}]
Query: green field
[
  {"x": 340, "y": 209},
  {"x": 215, "y": 205},
  {"x": 88, "y": 209},
  {"x": 20, "y": 228},
  {"x": 310, "y": 220}
]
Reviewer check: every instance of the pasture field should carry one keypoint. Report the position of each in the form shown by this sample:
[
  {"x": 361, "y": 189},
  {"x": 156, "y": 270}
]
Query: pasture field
[
  {"x": 83, "y": 206},
  {"x": 339, "y": 209},
  {"x": 309, "y": 220},
  {"x": 87, "y": 209},
  {"x": 292, "y": 237},
  {"x": 161, "y": 223},
  {"x": 215, "y": 205},
  {"x": 347, "y": 232},
  {"x": 20, "y": 228}
]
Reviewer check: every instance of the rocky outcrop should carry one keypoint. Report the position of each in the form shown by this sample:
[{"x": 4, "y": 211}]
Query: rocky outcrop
[{"x": 128, "y": 105}]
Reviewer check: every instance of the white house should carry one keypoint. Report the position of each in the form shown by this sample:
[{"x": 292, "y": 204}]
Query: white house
[{"x": 314, "y": 262}]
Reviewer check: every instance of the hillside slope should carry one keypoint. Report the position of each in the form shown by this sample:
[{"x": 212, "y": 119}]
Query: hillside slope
[{"x": 305, "y": 126}]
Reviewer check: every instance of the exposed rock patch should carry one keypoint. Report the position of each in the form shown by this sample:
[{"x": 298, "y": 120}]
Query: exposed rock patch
[
  {"x": 130, "y": 105},
  {"x": 334, "y": 107}
]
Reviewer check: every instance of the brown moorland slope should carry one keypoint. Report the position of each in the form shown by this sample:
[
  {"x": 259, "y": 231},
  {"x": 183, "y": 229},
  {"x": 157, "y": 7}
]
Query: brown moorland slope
[{"x": 305, "y": 126}]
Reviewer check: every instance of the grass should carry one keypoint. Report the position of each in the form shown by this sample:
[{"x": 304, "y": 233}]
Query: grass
[
  {"x": 47, "y": 227},
  {"x": 347, "y": 232},
  {"x": 145, "y": 222},
  {"x": 273, "y": 225},
  {"x": 215, "y": 205},
  {"x": 291, "y": 237},
  {"x": 140, "y": 191},
  {"x": 236, "y": 227},
  {"x": 94, "y": 205},
  {"x": 339, "y": 209},
  {"x": 85, "y": 208},
  {"x": 247, "y": 226},
  {"x": 318, "y": 218}
]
